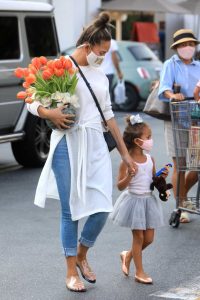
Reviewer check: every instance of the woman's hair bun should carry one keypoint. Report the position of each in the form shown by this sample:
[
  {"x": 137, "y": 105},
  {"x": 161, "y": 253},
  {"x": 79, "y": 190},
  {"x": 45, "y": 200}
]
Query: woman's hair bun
[
  {"x": 103, "y": 20},
  {"x": 127, "y": 119}
]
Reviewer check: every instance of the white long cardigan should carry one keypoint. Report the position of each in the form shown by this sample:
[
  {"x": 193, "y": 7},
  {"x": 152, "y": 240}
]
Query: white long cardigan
[{"x": 91, "y": 170}]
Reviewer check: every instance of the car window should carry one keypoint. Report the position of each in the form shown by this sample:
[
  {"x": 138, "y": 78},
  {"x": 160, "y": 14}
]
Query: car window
[
  {"x": 142, "y": 52},
  {"x": 41, "y": 36},
  {"x": 9, "y": 35}
]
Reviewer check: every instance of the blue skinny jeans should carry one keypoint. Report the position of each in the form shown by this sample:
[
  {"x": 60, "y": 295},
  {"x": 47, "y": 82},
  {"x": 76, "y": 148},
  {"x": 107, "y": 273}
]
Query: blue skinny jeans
[{"x": 69, "y": 228}]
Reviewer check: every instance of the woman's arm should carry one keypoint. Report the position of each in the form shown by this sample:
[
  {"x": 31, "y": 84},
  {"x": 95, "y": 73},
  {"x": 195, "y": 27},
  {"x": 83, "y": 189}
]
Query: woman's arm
[
  {"x": 124, "y": 177},
  {"x": 197, "y": 91},
  {"x": 167, "y": 80},
  {"x": 62, "y": 121},
  {"x": 171, "y": 95},
  {"x": 112, "y": 124}
]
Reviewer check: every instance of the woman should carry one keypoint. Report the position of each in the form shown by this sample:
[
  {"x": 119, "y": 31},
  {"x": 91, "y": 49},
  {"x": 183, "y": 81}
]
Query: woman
[
  {"x": 183, "y": 70},
  {"x": 79, "y": 157}
]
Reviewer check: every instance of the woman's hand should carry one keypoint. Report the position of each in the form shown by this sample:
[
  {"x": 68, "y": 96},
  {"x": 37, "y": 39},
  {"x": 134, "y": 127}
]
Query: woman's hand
[
  {"x": 196, "y": 93},
  {"x": 132, "y": 166},
  {"x": 61, "y": 120},
  {"x": 173, "y": 96},
  {"x": 178, "y": 97}
]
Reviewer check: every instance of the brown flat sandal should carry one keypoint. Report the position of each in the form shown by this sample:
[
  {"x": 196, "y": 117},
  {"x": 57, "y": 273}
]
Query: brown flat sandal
[
  {"x": 74, "y": 284},
  {"x": 86, "y": 271}
]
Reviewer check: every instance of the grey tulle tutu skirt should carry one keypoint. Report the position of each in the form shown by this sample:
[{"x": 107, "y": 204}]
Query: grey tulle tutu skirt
[{"x": 137, "y": 211}]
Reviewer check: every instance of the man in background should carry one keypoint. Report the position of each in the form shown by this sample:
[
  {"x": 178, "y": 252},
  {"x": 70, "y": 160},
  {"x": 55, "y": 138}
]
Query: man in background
[{"x": 110, "y": 64}]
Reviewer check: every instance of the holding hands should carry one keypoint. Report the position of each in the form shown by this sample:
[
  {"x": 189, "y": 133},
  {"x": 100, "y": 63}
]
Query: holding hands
[{"x": 131, "y": 165}]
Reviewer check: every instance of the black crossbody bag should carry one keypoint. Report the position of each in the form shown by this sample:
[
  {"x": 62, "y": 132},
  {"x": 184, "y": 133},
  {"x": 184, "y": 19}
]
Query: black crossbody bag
[{"x": 111, "y": 143}]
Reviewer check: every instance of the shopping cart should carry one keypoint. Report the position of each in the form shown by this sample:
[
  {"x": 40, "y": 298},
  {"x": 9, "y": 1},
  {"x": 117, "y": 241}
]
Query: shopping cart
[{"x": 185, "y": 117}]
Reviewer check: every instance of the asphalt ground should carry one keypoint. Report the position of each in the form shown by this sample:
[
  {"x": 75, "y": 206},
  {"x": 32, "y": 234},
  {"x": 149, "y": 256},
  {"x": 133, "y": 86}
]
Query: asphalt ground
[{"x": 31, "y": 260}]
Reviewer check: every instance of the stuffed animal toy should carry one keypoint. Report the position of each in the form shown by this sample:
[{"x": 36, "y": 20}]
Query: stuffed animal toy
[{"x": 159, "y": 182}]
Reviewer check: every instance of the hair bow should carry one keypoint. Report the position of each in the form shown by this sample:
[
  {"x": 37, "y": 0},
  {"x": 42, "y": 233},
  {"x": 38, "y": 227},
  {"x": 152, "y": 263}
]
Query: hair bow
[{"x": 135, "y": 119}]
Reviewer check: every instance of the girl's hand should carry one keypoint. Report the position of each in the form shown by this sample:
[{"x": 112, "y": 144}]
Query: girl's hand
[
  {"x": 196, "y": 93},
  {"x": 165, "y": 173},
  {"x": 132, "y": 167},
  {"x": 61, "y": 120}
]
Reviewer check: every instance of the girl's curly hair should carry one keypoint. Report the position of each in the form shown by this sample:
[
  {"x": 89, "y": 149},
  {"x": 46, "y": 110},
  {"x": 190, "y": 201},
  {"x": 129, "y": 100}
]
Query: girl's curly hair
[{"x": 132, "y": 132}]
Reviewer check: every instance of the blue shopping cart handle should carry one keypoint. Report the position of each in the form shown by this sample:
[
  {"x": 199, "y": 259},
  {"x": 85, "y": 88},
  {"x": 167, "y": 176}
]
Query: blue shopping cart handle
[{"x": 163, "y": 169}]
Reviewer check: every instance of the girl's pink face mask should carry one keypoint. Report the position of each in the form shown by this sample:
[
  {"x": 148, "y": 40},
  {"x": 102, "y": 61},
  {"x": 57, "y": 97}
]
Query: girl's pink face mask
[{"x": 147, "y": 144}]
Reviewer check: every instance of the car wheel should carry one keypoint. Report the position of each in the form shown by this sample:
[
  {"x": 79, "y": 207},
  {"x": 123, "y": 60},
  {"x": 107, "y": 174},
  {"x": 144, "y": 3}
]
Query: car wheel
[
  {"x": 34, "y": 149},
  {"x": 132, "y": 100}
]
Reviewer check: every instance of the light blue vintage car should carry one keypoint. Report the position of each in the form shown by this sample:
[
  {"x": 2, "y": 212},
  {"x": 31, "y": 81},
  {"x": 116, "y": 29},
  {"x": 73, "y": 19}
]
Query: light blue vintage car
[{"x": 140, "y": 66}]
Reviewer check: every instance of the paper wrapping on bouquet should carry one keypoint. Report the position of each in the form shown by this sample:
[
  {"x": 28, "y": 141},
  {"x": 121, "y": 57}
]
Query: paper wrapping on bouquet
[
  {"x": 68, "y": 109},
  {"x": 193, "y": 150}
]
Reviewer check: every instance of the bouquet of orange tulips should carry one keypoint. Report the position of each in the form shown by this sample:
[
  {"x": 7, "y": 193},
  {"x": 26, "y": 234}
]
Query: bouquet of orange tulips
[{"x": 51, "y": 82}]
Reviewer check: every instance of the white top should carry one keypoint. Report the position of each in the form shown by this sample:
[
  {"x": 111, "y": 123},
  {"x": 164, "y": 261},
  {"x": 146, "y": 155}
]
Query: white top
[
  {"x": 107, "y": 64},
  {"x": 140, "y": 183},
  {"x": 91, "y": 190}
]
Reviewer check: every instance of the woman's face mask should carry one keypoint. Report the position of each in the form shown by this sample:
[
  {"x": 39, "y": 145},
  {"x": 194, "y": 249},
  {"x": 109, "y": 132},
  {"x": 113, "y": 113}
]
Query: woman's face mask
[
  {"x": 94, "y": 60},
  {"x": 186, "y": 52}
]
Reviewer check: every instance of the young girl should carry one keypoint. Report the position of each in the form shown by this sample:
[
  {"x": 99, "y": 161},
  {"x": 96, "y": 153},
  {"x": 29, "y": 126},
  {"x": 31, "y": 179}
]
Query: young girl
[{"x": 137, "y": 208}]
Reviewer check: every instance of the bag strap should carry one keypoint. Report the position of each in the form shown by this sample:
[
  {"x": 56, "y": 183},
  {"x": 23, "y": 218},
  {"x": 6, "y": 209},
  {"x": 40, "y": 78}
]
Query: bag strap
[{"x": 92, "y": 92}]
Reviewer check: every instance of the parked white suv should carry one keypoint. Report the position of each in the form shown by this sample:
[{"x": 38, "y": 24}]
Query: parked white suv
[{"x": 27, "y": 29}]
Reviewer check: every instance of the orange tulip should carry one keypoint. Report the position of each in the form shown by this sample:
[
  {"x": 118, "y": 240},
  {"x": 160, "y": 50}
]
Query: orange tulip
[
  {"x": 30, "y": 79},
  {"x": 26, "y": 72},
  {"x": 29, "y": 100},
  {"x": 19, "y": 72},
  {"x": 67, "y": 64},
  {"x": 43, "y": 60},
  {"x": 43, "y": 68},
  {"x": 59, "y": 72},
  {"x": 58, "y": 64},
  {"x": 36, "y": 62},
  {"x": 26, "y": 85},
  {"x": 47, "y": 74},
  {"x": 32, "y": 69},
  {"x": 71, "y": 71},
  {"x": 50, "y": 64},
  {"x": 29, "y": 94},
  {"x": 21, "y": 95},
  {"x": 62, "y": 58}
]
